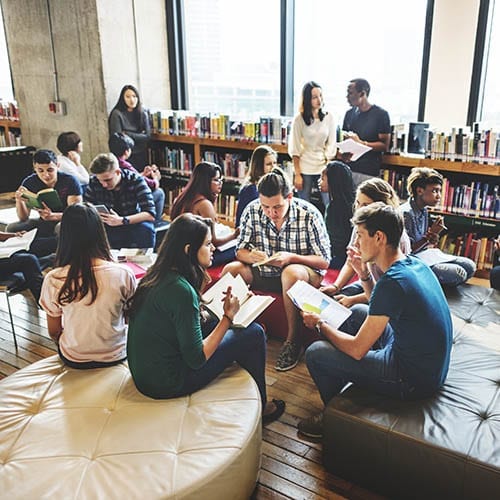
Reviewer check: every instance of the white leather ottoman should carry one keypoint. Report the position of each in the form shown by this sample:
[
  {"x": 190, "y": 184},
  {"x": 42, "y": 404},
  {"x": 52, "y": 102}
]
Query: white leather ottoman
[{"x": 89, "y": 434}]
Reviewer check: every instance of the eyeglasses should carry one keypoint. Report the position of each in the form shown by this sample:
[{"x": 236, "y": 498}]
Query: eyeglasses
[{"x": 219, "y": 180}]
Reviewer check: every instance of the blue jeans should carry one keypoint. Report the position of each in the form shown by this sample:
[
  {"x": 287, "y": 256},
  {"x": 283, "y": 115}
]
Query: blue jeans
[
  {"x": 28, "y": 265},
  {"x": 159, "y": 201},
  {"x": 140, "y": 235},
  {"x": 245, "y": 346},
  {"x": 455, "y": 272},
  {"x": 308, "y": 181},
  {"x": 378, "y": 371}
]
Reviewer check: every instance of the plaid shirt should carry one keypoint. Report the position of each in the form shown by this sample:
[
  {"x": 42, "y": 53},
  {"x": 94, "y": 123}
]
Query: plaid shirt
[
  {"x": 132, "y": 197},
  {"x": 416, "y": 220},
  {"x": 303, "y": 233}
]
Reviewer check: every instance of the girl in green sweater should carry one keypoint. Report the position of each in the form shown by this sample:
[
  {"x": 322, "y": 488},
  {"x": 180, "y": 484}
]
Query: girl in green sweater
[{"x": 170, "y": 352}]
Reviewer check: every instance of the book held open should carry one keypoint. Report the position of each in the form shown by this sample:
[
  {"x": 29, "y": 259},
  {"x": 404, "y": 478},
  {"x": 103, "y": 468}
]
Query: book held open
[
  {"x": 48, "y": 196},
  {"x": 310, "y": 299},
  {"x": 251, "y": 306},
  {"x": 13, "y": 245}
]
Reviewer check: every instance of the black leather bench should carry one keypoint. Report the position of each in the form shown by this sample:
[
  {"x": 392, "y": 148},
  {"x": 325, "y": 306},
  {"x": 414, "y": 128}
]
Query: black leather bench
[{"x": 447, "y": 446}]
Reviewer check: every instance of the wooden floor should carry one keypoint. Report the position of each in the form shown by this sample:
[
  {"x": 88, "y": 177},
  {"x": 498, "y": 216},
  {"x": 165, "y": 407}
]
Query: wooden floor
[{"x": 291, "y": 466}]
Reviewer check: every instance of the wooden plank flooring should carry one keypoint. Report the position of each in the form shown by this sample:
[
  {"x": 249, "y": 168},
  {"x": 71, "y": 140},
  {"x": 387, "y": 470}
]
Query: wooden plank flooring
[{"x": 291, "y": 466}]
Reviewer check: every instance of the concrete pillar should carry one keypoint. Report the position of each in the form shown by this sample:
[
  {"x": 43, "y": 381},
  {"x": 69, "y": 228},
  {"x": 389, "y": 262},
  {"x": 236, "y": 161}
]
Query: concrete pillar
[{"x": 97, "y": 51}]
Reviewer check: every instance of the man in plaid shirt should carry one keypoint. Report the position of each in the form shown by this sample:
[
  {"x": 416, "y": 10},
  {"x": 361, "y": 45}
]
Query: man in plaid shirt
[
  {"x": 292, "y": 233},
  {"x": 129, "y": 223}
]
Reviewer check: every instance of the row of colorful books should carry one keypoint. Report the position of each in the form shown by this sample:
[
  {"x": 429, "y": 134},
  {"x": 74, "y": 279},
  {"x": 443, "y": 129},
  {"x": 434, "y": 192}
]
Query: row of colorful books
[
  {"x": 478, "y": 199},
  {"x": 9, "y": 110},
  {"x": 10, "y": 138},
  {"x": 172, "y": 159},
  {"x": 480, "y": 249},
  {"x": 460, "y": 144},
  {"x": 266, "y": 129},
  {"x": 397, "y": 180}
]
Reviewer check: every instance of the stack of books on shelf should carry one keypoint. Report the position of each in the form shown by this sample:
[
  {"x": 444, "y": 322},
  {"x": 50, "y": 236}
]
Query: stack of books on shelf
[
  {"x": 480, "y": 249},
  {"x": 169, "y": 158},
  {"x": 478, "y": 199},
  {"x": 9, "y": 110},
  {"x": 397, "y": 180},
  {"x": 232, "y": 164},
  {"x": 10, "y": 138},
  {"x": 460, "y": 144},
  {"x": 267, "y": 130}
]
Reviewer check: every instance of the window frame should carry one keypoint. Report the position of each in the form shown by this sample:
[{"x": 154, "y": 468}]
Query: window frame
[{"x": 177, "y": 56}]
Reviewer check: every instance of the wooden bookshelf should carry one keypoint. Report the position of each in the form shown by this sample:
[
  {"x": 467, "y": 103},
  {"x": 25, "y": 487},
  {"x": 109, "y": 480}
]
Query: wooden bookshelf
[
  {"x": 5, "y": 128},
  {"x": 463, "y": 167},
  {"x": 199, "y": 143}
]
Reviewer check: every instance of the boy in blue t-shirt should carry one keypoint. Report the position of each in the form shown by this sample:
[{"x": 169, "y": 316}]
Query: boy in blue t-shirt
[{"x": 399, "y": 345}]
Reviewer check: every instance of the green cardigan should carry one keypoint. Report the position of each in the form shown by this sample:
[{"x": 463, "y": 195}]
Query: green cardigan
[{"x": 165, "y": 338}]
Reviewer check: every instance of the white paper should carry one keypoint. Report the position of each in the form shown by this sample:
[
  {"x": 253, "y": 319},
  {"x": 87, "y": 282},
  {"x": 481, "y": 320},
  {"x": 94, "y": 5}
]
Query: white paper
[
  {"x": 221, "y": 231},
  {"x": 351, "y": 146},
  {"x": 433, "y": 256},
  {"x": 310, "y": 299},
  {"x": 13, "y": 245}
]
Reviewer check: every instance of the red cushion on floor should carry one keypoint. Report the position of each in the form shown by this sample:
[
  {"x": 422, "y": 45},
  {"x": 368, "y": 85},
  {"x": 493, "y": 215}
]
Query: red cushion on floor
[{"x": 274, "y": 318}]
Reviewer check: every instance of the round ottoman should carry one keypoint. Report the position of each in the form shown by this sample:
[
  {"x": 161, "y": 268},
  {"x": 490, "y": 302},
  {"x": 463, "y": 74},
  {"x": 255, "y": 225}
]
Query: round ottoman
[{"x": 90, "y": 434}]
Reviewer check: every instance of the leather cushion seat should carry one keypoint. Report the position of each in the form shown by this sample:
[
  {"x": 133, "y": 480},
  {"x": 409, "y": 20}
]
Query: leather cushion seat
[
  {"x": 68, "y": 433},
  {"x": 447, "y": 446}
]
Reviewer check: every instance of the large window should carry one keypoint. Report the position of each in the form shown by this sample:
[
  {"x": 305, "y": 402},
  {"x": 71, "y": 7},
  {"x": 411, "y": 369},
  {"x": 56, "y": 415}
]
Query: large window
[
  {"x": 379, "y": 41},
  {"x": 489, "y": 105},
  {"x": 6, "y": 93},
  {"x": 233, "y": 56}
]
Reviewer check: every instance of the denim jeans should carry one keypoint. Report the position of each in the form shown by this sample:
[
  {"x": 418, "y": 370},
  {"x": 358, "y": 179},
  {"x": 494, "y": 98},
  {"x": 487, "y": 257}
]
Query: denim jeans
[
  {"x": 308, "y": 181},
  {"x": 245, "y": 346},
  {"x": 455, "y": 272},
  {"x": 159, "y": 201},
  {"x": 378, "y": 371},
  {"x": 140, "y": 235},
  {"x": 28, "y": 265}
]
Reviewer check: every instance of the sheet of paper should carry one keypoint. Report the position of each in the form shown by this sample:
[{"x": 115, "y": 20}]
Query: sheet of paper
[
  {"x": 12, "y": 245},
  {"x": 351, "y": 146},
  {"x": 310, "y": 299},
  {"x": 213, "y": 296},
  {"x": 433, "y": 256}
]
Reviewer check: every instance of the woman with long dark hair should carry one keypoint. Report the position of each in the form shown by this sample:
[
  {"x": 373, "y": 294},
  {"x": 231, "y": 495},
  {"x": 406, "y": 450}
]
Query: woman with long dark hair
[
  {"x": 170, "y": 352},
  {"x": 198, "y": 197},
  {"x": 313, "y": 141},
  {"x": 263, "y": 160},
  {"x": 130, "y": 118},
  {"x": 336, "y": 180},
  {"x": 84, "y": 296}
]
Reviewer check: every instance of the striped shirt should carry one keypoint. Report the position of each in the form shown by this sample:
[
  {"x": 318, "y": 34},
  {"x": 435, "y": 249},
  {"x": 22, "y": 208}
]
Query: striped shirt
[
  {"x": 132, "y": 197},
  {"x": 303, "y": 233}
]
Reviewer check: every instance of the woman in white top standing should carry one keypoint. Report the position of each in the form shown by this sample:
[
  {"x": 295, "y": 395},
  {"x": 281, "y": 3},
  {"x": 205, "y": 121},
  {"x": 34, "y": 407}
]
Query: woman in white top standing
[
  {"x": 86, "y": 294},
  {"x": 313, "y": 141},
  {"x": 70, "y": 145}
]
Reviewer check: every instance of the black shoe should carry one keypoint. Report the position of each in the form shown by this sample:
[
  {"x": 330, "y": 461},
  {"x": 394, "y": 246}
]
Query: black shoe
[{"x": 271, "y": 417}]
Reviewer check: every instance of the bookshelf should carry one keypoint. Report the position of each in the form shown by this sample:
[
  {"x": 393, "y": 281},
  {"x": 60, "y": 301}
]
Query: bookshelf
[
  {"x": 176, "y": 156},
  {"x": 10, "y": 132},
  {"x": 472, "y": 228}
]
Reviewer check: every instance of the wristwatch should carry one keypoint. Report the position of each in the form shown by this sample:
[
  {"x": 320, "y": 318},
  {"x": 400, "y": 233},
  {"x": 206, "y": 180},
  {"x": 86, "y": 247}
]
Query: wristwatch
[
  {"x": 125, "y": 221},
  {"x": 318, "y": 325}
]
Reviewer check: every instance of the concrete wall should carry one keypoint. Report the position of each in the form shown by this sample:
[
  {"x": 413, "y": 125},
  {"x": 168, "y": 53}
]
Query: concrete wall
[
  {"x": 96, "y": 54},
  {"x": 451, "y": 62}
]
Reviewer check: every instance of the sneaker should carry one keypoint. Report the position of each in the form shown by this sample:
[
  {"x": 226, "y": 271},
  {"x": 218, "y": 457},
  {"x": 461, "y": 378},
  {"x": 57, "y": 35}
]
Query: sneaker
[
  {"x": 288, "y": 357},
  {"x": 312, "y": 426}
]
